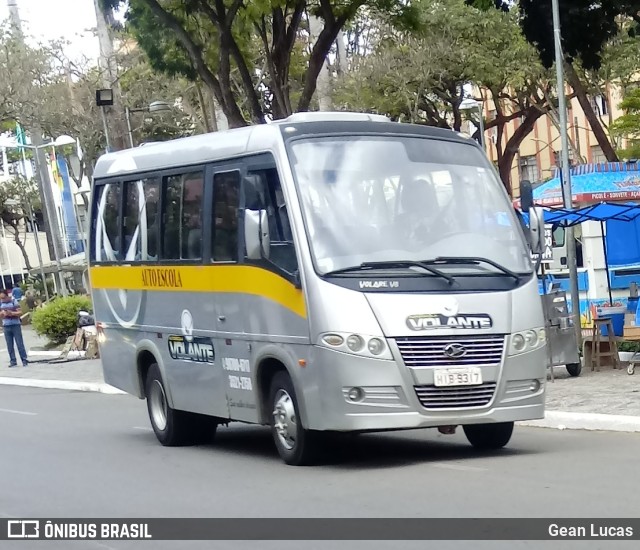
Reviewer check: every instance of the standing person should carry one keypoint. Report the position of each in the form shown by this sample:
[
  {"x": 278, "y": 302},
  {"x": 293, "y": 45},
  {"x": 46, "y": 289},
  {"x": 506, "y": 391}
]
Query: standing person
[
  {"x": 10, "y": 312},
  {"x": 16, "y": 293}
]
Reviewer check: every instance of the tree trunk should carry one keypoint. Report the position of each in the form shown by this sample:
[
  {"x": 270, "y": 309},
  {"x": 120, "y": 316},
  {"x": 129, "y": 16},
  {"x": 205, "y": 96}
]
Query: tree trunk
[
  {"x": 532, "y": 114},
  {"x": 594, "y": 121},
  {"x": 16, "y": 237}
]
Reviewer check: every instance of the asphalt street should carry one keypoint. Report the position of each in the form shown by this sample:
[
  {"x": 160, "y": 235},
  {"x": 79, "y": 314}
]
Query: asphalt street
[{"x": 76, "y": 454}]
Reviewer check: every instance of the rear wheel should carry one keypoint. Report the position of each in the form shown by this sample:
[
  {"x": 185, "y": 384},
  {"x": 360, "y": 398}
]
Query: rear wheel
[
  {"x": 173, "y": 427},
  {"x": 489, "y": 436},
  {"x": 296, "y": 445},
  {"x": 574, "y": 369}
]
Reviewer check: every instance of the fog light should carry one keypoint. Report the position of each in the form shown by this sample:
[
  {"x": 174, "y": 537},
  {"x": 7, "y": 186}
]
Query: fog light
[
  {"x": 535, "y": 386},
  {"x": 376, "y": 346},
  {"x": 355, "y": 342},
  {"x": 518, "y": 342},
  {"x": 355, "y": 394},
  {"x": 333, "y": 339},
  {"x": 542, "y": 334}
]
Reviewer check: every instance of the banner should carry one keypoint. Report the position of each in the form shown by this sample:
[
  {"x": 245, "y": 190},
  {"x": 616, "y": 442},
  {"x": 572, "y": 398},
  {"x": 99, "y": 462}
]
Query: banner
[
  {"x": 68, "y": 208},
  {"x": 321, "y": 529}
]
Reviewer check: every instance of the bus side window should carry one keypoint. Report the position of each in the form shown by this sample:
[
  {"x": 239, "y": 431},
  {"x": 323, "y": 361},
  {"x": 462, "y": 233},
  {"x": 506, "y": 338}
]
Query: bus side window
[
  {"x": 226, "y": 202},
  {"x": 282, "y": 252},
  {"x": 141, "y": 220},
  {"x": 106, "y": 230},
  {"x": 182, "y": 231}
]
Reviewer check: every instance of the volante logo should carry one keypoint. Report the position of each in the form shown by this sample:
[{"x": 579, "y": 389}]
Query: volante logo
[{"x": 430, "y": 322}]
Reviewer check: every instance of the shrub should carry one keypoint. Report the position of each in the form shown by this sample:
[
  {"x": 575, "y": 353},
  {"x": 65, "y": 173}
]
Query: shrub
[{"x": 59, "y": 319}]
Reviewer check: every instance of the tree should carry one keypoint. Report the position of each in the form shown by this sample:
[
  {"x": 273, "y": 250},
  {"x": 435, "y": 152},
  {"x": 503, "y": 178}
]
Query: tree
[
  {"x": 586, "y": 28},
  {"x": 420, "y": 76},
  {"x": 18, "y": 197},
  {"x": 628, "y": 125},
  {"x": 244, "y": 52}
]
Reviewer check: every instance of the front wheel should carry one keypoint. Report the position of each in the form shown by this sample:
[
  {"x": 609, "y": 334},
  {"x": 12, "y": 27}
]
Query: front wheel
[
  {"x": 296, "y": 445},
  {"x": 173, "y": 427},
  {"x": 574, "y": 369},
  {"x": 489, "y": 436}
]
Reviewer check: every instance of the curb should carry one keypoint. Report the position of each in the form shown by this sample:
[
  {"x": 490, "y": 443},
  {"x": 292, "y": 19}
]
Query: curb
[
  {"x": 61, "y": 385},
  {"x": 562, "y": 420}
]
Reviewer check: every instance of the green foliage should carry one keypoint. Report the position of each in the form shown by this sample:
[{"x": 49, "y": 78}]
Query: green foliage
[
  {"x": 58, "y": 319},
  {"x": 255, "y": 57},
  {"x": 419, "y": 76},
  {"x": 629, "y": 346},
  {"x": 627, "y": 126}
]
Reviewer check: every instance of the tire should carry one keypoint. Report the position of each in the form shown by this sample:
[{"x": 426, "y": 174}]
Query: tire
[
  {"x": 172, "y": 427},
  {"x": 296, "y": 445},
  {"x": 574, "y": 369},
  {"x": 489, "y": 437},
  {"x": 631, "y": 369}
]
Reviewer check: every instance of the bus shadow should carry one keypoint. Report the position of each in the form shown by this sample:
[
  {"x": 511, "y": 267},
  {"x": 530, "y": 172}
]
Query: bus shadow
[{"x": 373, "y": 450}]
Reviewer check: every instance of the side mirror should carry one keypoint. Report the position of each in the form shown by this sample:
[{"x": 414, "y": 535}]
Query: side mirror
[
  {"x": 256, "y": 234},
  {"x": 526, "y": 196},
  {"x": 536, "y": 230}
]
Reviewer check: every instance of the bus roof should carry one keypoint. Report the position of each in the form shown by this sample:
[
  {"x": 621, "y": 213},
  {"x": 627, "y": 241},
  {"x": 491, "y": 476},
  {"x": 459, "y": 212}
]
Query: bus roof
[{"x": 226, "y": 144}]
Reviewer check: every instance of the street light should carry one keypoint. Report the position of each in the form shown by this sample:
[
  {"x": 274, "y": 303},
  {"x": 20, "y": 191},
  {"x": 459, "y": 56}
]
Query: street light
[
  {"x": 155, "y": 107},
  {"x": 469, "y": 104},
  {"x": 104, "y": 98}
]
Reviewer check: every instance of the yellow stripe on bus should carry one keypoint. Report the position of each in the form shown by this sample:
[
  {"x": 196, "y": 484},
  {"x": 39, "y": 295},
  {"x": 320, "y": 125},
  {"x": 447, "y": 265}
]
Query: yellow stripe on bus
[{"x": 217, "y": 278}]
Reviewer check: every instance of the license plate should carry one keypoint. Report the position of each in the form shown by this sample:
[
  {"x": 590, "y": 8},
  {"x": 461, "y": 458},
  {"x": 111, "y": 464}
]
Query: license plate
[{"x": 458, "y": 377}]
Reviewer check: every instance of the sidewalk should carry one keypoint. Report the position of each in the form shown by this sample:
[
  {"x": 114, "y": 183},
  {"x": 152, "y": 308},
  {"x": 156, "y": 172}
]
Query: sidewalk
[{"x": 605, "y": 400}]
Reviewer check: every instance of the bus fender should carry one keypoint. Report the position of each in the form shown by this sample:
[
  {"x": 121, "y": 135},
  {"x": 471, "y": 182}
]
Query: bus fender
[
  {"x": 151, "y": 347},
  {"x": 284, "y": 356}
]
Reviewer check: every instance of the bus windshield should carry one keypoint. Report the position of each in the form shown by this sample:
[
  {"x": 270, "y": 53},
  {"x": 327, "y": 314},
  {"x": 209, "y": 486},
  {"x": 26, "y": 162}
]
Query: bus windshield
[{"x": 369, "y": 199}]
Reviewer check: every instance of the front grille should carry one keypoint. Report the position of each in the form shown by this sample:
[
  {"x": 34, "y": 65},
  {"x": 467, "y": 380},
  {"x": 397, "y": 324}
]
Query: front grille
[
  {"x": 432, "y": 397},
  {"x": 481, "y": 351}
]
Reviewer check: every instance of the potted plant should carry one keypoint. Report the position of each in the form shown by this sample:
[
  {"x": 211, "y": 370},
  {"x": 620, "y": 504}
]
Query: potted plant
[{"x": 626, "y": 350}]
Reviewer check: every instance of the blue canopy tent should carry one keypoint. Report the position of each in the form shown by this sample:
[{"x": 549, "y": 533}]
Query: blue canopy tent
[{"x": 600, "y": 212}]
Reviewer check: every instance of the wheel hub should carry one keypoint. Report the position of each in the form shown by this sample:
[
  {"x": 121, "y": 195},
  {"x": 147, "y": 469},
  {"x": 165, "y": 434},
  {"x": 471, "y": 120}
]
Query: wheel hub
[
  {"x": 284, "y": 419},
  {"x": 158, "y": 403}
]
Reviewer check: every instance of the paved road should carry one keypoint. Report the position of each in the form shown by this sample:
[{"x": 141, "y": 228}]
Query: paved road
[{"x": 67, "y": 454}]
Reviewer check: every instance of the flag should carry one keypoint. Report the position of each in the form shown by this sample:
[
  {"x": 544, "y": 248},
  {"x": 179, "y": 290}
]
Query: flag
[
  {"x": 57, "y": 178},
  {"x": 21, "y": 136}
]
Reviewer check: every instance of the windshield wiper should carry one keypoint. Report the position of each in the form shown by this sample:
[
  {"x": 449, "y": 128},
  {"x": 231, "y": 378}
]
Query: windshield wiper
[
  {"x": 446, "y": 260},
  {"x": 393, "y": 263}
]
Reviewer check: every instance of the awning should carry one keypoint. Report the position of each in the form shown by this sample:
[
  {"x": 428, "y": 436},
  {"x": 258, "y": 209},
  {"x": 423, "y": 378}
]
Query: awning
[
  {"x": 601, "y": 212},
  {"x": 610, "y": 181},
  {"x": 75, "y": 263}
]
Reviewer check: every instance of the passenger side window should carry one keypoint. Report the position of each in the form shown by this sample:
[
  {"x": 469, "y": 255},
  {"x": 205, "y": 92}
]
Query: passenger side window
[
  {"x": 282, "y": 252},
  {"x": 182, "y": 230},
  {"x": 226, "y": 202},
  {"x": 106, "y": 231},
  {"x": 141, "y": 227}
]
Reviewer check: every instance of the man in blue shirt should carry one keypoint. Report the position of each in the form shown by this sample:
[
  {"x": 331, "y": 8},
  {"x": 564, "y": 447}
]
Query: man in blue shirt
[
  {"x": 10, "y": 313},
  {"x": 16, "y": 293}
]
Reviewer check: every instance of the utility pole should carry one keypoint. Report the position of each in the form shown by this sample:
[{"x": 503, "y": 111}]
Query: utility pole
[
  {"x": 110, "y": 80},
  {"x": 565, "y": 173}
]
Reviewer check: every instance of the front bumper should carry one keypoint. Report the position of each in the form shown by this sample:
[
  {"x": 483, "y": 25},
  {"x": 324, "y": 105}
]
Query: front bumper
[{"x": 388, "y": 399}]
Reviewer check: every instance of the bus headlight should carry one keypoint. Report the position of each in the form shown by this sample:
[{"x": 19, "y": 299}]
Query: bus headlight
[
  {"x": 528, "y": 340},
  {"x": 356, "y": 344},
  {"x": 376, "y": 346}
]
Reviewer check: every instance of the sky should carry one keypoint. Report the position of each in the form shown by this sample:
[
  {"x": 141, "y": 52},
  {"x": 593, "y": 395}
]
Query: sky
[{"x": 71, "y": 20}]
